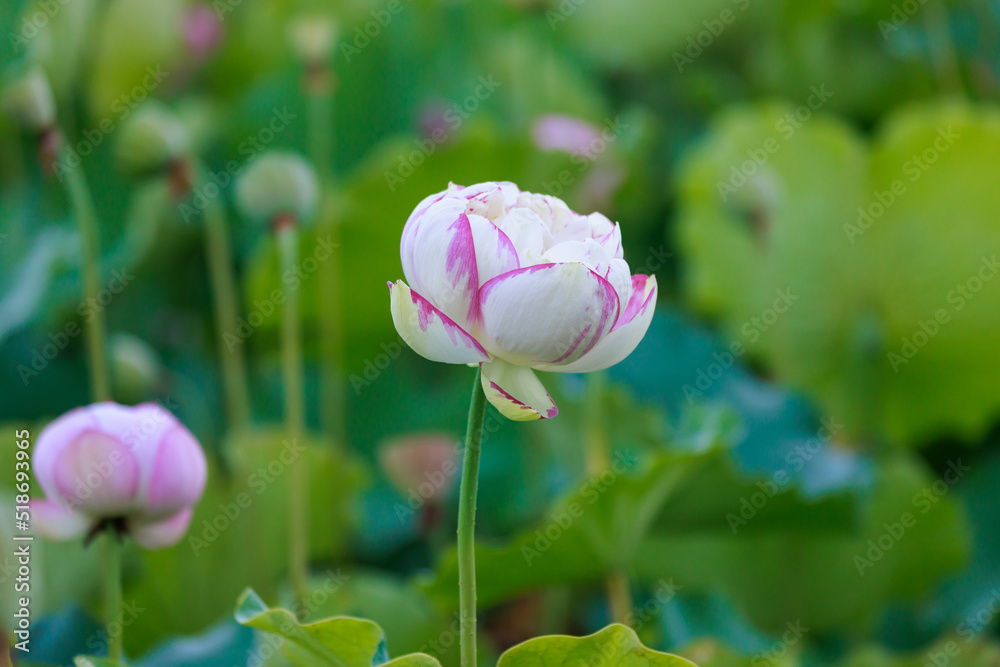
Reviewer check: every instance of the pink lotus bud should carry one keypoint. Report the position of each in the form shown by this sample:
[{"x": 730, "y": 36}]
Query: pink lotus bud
[
  {"x": 135, "y": 469},
  {"x": 202, "y": 30},
  {"x": 425, "y": 464},
  {"x": 554, "y": 132},
  {"x": 434, "y": 122}
]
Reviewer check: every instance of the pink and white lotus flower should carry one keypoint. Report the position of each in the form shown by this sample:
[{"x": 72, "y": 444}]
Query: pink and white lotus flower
[
  {"x": 136, "y": 470},
  {"x": 515, "y": 281}
]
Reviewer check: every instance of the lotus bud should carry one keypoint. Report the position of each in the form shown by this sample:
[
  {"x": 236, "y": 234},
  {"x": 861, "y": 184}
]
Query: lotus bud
[
  {"x": 135, "y": 367},
  {"x": 555, "y": 132},
  {"x": 202, "y": 30},
  {"x": 134, "y": 470},
  {"x": 153, "y": 139},
  {"x": 434, "y": 122},
  {"x": 278, "y": 186},
  {"x": 27, "y": 98},
  {"x": 425, "y": 464},
  {"x": 312, "y": 38}
]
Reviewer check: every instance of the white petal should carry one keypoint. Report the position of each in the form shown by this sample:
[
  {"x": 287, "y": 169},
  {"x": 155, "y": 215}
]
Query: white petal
[
  {"x": 619, "y": 276},
  {"x": 552, "y": 210},
  {"x": 612, "y": 241},
  {"x": 546, "y": 314},
  {"x": 55, "y": 521},
  {"x": 161, "y": 534},
  {"x": 421, "y": 216},
  {"x": 600, "y": 226},
  {"x": 529, "y": 234},
  {"x": 627, "y": 334},
  {"x": 490, "y": 200},
  {"x": 516, "y": 392},
  {"x": 431, "y": 333}
]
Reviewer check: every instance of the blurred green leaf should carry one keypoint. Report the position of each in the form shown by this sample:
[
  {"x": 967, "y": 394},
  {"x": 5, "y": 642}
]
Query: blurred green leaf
[
  {"x": 90, "y": 661},
  {"x": 340, "y": 641},
  {"x": 710, "y": 653},
  {"x": 25, "y": 299},
  {"x": 615, "y": 644},
  {"x": 596, "y": 529},
  {"x": 347, "y": 642},
  {"x": 138, "y": 54},
  {"x": 954, "y": 651},
  {"x": 863, "y": 279},
  {"x": 912, "y": 535},
  {"x": 411, "y": 622}
]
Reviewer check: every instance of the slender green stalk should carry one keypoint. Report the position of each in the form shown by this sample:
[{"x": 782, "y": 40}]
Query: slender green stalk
[
  {"x": 942, "y": 49},
  {"x": 226, "y": 302},
  {"x": 467, "y": 524},
  {"x": 86, "y": 217},
  {"x": 113, "y": 593},
  {"x": 319, "y": 111},
  {"x": 287, "y": 237},
  {"x": 619, "y": 597}
]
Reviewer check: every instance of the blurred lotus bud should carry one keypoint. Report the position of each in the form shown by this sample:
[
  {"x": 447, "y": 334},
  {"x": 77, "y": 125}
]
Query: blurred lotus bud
[
  {"x": 27, "y": 98},
  {"x": 433, "y": 122},
  {"x": 135, "y": 470},
  {"x": 312, "y": 38},
  {"x": 554, "y": 132},
  {"x": 151, "y": 140},
  {"x": 135, "y": 367},
  {"x": 425, "y": 465},
  {"x": 202, "y": 30},
  {"x": 278, "y": 185}
]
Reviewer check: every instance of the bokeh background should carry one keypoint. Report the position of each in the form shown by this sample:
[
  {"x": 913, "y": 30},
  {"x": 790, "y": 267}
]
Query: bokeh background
[{"x": 803, "y": 451}]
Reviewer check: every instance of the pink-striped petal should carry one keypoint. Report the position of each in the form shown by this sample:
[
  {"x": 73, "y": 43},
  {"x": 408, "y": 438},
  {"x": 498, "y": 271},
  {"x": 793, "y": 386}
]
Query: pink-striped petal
[
  {"x": 160, "y": 534},
  {"x": 495, "y": 254},
  {"x": 516, "y": 392},
  {"x": 55, "y": 521},
  {"x": 627, "y": 334},
  {"x": 446, "y": 272},
  {"x": 430, "y": 332},
  {"x": 529, "y": 234},
  {"x": 547, "y": 313}
]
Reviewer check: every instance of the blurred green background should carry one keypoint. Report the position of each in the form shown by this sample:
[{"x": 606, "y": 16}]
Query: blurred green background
[{"x": 815, "y": 186}]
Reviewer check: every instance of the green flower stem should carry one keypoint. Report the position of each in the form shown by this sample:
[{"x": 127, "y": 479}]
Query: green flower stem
[
  {"x": 287, "y": 238},
  {"x": 86, "y": 217},
  {"x": 226, "y": 303},
  {"x": 113, "y": 593},
  {"x": 942, "y": 49},
  {"x": 467, "y": 523},
  {"x": 619, "y": 597},
  {"x": 319, "y": 112}
]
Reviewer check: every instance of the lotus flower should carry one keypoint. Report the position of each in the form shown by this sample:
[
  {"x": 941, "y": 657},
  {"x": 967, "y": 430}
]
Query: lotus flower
[
  {"x": 516, "y": 281},
  {"x": 136, "y": 470}
]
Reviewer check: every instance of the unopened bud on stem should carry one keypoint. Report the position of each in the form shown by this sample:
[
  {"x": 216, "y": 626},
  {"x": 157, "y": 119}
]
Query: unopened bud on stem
[{"x": 277, "y": 187}]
